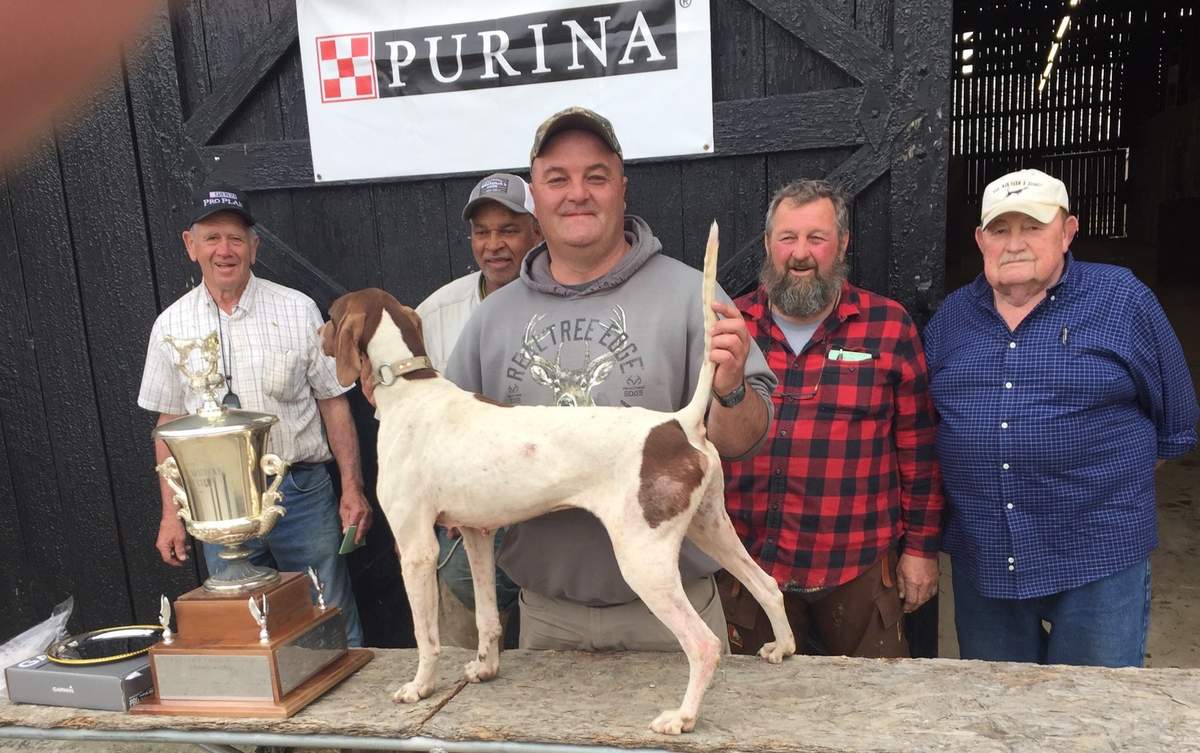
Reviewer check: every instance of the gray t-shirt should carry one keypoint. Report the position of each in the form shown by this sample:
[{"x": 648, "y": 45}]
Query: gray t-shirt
[
  {"x": 633, "y": 337},
  {"x": 797, "y": 335}
]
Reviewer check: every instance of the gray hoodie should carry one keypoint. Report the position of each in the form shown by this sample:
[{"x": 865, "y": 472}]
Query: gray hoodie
[{"x": 632, "y": 337}]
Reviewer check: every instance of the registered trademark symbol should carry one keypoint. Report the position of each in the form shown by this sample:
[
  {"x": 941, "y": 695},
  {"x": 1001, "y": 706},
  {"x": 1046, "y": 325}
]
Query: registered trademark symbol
[{"x": 684, "y": 3}]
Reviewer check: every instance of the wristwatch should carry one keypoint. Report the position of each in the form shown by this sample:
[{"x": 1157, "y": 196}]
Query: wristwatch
[{"x": 734, "y": 397}]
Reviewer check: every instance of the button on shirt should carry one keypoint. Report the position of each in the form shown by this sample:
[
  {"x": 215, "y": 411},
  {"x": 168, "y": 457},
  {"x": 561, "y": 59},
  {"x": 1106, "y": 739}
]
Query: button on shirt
[
  {"x": 271, "y": 350},
  {"x": 1048, "y": 434},
  {"x": 849, "y": 468}
]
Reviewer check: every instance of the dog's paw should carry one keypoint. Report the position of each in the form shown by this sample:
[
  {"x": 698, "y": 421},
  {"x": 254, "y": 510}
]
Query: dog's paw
[
  {"x": 478, "y": 671},
  {"x": 673, "y": 722},
  {"x": 776, "y": 650},
  {"x": 411, "y": 692}
]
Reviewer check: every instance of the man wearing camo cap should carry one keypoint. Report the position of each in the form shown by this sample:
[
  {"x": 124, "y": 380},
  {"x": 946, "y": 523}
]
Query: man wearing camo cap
[{"x": 600, "y": 316}]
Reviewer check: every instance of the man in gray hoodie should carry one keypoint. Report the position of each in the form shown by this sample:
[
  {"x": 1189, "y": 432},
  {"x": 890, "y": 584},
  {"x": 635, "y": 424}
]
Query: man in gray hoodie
[{"x": 600, "y": 317}]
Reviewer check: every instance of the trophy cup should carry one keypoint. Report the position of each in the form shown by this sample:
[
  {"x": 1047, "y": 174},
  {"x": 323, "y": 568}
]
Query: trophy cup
[{"x": 229, "y": 655}]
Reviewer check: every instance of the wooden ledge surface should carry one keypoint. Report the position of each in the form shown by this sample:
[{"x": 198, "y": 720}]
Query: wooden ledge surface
[{"x": 807, "y": 704}]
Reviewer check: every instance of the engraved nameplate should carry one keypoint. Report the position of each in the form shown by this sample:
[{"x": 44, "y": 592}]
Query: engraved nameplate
[
  {"x": 185, "y": 677},
  {"x": 304, "y": 656}
]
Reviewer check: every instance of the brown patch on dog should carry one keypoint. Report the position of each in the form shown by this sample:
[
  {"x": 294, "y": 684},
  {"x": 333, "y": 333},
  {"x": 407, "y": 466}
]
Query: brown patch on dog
[
  {"x": 671, "y": 470},
  {"x": 489, "y": 401},
  {"x": 355, "y": 317}
]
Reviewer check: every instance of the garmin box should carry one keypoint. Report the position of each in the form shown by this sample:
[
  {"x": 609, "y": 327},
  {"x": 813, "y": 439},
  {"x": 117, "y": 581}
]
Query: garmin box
[{"x": 112, "y": 686}]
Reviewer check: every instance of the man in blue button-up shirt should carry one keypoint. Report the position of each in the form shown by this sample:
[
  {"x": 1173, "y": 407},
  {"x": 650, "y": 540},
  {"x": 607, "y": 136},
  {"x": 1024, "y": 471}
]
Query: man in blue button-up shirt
[{"x": 1059, "y": 385}]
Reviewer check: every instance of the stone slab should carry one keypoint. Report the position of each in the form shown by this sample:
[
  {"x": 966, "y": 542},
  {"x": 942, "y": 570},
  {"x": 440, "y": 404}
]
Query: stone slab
[{"x": 805, "y": 705}]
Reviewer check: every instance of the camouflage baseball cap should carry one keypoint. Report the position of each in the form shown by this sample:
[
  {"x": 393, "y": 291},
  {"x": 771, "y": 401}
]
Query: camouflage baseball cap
[{"x": 575, "y": 118}]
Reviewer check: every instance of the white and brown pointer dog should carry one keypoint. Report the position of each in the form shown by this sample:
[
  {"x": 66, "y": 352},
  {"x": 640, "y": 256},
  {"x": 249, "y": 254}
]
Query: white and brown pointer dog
[{"x": 456, "y": 459}]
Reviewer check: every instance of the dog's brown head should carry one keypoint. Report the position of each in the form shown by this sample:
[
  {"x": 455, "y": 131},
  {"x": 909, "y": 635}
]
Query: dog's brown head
[{"x": 353, "y": 319}]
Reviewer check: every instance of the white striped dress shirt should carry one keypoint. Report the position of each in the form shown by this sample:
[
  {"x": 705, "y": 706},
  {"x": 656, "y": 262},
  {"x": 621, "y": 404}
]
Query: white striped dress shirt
[{"x": 270, "y": 348}]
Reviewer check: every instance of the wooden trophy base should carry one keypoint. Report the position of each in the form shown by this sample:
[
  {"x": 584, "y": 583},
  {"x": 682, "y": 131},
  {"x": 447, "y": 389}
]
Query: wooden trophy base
[{"x": 217, "y": 665}]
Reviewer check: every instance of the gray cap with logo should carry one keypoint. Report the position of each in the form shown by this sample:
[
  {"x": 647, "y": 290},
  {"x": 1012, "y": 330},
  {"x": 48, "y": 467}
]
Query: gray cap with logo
[{"x": 507, "y": 190}]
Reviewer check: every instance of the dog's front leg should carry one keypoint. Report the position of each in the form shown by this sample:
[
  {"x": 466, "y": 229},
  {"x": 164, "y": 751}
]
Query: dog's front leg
[
  {"x": 481, "y": 554},
  {"x": 418, "y": 561}
]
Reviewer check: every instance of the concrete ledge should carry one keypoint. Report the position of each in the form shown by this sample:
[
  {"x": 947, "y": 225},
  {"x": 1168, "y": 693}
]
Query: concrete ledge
[{"x": 807, "y": 704}]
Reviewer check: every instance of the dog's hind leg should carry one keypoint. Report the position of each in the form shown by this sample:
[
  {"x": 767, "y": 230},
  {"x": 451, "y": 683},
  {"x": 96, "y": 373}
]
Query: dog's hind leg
[
  {"x": 651, "y": 568},
  {"x": 418, "y": 561},
  {"x": 712, "y": 531},
  {"x": 481, "y": 554}
]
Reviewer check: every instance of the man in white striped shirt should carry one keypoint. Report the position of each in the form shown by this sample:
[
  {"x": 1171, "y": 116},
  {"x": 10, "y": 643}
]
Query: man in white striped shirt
[{"x": 271, "y": 357}]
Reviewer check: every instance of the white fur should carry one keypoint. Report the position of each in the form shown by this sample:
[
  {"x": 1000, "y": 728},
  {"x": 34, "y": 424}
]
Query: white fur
[{"x": 447, "y": 457}]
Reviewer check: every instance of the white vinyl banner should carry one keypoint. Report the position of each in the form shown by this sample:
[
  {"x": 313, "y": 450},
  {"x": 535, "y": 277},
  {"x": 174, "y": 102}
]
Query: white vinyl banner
[{"x": 425, "y": 87}]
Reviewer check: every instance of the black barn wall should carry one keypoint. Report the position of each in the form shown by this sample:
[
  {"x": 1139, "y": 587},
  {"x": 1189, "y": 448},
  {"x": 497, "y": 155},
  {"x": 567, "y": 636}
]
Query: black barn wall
[{"x": 856, "y": 90}]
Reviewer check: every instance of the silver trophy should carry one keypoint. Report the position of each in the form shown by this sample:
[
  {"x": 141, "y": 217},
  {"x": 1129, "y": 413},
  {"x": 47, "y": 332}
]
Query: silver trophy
[{"x": 218, "y": 471}]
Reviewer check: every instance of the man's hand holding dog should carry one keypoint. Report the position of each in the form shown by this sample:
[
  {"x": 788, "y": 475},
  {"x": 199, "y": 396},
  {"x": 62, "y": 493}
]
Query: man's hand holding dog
[
  {"x": 730, "y": 348},
  {"x": 737, "y": 430}
]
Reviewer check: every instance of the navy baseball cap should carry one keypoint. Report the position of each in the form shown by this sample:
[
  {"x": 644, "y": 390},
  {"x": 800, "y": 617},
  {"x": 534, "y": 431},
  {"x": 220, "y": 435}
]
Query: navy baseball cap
[{"x": 212, "y": 199}]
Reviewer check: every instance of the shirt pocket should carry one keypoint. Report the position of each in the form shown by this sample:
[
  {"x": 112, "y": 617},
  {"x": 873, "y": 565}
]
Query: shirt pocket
[
  {"x": 283, "y": 375},
  {"x": 852, "y": 389}
]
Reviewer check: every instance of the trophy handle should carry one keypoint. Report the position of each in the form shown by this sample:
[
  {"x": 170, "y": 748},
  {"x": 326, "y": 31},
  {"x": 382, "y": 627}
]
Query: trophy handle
[
  {"x": 272, "y": 511},
  {"x": 169, "y": 471}
]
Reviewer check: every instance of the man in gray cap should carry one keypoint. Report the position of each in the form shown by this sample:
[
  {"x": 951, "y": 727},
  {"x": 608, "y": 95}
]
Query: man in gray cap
[
  {"x": 499, "y": 213},
  {"x": 600, "y": 317}
]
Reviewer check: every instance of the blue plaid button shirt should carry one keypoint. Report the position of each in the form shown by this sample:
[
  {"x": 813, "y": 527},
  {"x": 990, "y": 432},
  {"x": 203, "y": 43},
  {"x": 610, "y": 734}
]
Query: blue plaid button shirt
[{"x": 1048, "y": 435}]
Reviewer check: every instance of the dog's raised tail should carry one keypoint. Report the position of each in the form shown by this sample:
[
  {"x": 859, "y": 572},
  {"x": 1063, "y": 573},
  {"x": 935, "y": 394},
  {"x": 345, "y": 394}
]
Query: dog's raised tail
[{"x": 693, "y": 413}]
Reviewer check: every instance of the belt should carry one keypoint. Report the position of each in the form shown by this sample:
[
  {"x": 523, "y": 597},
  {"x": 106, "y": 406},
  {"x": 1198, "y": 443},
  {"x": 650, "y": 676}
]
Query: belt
[{"x": 305, "y": 466}]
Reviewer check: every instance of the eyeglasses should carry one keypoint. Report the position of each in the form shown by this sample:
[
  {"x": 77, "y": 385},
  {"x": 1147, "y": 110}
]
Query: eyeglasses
[{"x": 812, "y": 393}]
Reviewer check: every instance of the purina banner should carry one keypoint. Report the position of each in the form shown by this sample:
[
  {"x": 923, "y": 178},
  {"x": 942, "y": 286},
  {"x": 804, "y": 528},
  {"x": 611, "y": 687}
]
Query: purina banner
[{"x": 425, "y": 87}]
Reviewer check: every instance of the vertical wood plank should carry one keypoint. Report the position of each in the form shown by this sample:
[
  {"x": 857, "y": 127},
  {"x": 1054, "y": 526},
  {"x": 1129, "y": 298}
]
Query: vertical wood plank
[
  {"x": 80, "y": 516},
  {"x": 22, "y": 471},
  {"x": 411, "y": 226},
  {"x": 116, "y": 288},
  {"x": 232, "y": 29},
  {"x": 918, "y": 205},
  {"x": 165, "y": 164},
  {"x": 738, "y": 205},
  {"x": 655, "y": 193}
]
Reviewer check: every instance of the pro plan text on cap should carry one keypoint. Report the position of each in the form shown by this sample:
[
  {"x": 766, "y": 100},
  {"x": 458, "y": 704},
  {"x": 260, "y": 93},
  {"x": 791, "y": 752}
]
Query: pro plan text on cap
[
  {"x": 209, "y": 201},
  {"x": 574, "y": 118},
  {"x": 1030, "y": 192},
  {"x": 505, "y": 189}
]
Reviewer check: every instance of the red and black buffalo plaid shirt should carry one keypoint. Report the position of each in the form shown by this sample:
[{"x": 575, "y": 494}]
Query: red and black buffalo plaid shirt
[{"x": 849, "y": 468}]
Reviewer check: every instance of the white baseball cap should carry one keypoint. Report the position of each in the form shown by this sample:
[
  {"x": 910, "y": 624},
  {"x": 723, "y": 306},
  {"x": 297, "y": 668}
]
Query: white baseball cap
[{"x": 1030, "y": 192}]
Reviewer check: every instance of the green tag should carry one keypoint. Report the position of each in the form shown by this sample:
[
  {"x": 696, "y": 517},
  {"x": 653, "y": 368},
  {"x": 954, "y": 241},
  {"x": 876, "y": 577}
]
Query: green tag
[
  {"x": 837, "y": 354},
  {"x": 348, "y": 544}
]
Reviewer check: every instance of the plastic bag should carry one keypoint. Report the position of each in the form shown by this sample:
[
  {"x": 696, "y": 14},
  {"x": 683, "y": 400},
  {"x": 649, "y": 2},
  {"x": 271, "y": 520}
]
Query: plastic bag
[{"x": 36, "y": 639}]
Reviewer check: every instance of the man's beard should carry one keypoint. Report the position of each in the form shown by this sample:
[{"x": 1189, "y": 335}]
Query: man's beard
[{"x": 798, "y": 297}]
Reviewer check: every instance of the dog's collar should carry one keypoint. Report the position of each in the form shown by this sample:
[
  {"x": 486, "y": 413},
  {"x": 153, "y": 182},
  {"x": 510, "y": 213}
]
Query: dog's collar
[{"x": 387, "y": 373}]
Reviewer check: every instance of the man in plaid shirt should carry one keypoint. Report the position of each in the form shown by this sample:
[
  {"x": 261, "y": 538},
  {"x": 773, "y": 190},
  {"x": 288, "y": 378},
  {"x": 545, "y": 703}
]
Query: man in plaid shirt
[{"x": 844, "y": 506}]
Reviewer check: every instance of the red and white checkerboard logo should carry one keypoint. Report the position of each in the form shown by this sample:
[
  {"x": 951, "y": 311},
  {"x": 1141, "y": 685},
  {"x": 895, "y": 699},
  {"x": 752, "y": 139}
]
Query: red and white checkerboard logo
[{"x": 347, "y": 67}]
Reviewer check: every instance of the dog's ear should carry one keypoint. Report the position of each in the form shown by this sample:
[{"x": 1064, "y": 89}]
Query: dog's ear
[
  {"x": 326, "y": 333},
  {"x": 416, "y": 320},
  {"x": 346, "y": 348}
]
